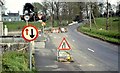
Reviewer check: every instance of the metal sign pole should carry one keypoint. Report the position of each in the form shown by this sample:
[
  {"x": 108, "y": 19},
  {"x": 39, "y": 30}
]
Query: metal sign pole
[
  {"x": 30, "y": 33},
  {"x": 43, "y": 30},
  {"x": 30, "y": 51},
  {"x": 26, "y": 22},
  {"x": 57, "y": 54}
]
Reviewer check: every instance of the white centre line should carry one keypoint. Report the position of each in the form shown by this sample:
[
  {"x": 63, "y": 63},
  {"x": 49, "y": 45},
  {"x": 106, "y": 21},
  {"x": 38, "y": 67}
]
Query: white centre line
[
  {"x": 91, "y": 65},
  {"x": 91, "y": 50},
  {"x": 73, "y": 40},
  {"x": 53, "y": 66}
]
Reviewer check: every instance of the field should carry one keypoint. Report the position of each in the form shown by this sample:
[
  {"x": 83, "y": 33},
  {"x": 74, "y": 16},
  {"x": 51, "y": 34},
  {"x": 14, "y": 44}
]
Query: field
[
  {"x": 99, "y": 30},
  {"x": 17, "y": 26}
]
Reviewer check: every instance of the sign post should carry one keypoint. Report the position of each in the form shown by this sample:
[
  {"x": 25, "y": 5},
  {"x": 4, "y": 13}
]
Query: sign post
[
  {"x": 43, "y": 24},
  {"x": 30, "y": 33},
  {"x": 30, "y": 53},
  {"x": 26, "y": 17}
]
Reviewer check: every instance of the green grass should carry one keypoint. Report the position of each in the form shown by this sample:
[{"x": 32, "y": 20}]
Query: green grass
[
  {"x": 63, "y": 23},
  {"x": 101, "y": 23},
  {"x": 16, "y": 26},
  {"x": 0, "y": 62},
  {"x": 15, "y": 61},
  {"x": 111, "y": 35}
]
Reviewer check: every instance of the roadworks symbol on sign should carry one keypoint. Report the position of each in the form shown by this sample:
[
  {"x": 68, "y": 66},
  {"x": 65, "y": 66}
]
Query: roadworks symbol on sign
[
  {"x": 30, "y": 33},
  {"x": 64, "y": 45}
]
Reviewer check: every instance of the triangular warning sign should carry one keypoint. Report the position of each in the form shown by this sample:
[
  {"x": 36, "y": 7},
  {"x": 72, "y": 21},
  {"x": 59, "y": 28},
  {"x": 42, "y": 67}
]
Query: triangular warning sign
[{"x": 64, "y": 45}]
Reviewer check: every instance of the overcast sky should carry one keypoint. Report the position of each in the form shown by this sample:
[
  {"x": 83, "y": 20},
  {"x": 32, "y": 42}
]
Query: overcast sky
[{"x": 17, "y": 5}]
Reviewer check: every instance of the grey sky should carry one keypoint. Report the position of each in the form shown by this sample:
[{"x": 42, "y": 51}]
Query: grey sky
[{"x": 17, "y": 5}]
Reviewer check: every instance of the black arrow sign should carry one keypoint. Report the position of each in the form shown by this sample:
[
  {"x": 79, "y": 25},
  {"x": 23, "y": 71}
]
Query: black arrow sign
[{"x": 32, "y": 34}]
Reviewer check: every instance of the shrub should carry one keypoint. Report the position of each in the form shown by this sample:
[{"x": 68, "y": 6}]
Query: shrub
[{"x": 15, "y": 61}]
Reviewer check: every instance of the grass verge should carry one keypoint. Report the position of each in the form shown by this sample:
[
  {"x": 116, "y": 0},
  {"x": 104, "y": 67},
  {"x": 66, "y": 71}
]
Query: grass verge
[
  {"x": 17, "y": 26},
  {"x": 112, "y": 35},
  {"x": 103, "y": 35},
  {"x": 15, "y": 62}
]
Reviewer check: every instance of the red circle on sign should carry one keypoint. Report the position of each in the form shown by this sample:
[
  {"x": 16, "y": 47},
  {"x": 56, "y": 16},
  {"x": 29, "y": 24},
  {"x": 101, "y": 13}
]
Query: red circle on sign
[{"x": 35, "y": 35}]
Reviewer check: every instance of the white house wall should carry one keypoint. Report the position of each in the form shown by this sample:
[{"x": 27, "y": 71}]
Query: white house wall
[{"x": 6, "y": 18}]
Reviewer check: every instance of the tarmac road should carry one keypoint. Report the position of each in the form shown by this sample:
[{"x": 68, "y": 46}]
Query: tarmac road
[{"x": 89, "y": 54}]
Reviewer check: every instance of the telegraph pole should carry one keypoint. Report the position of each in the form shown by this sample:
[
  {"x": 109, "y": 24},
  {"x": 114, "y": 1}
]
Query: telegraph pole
[
  {"x": 1, "y": 23},
  {"x": 90, "y": 16},
  {"x": 0, "y": 13},
  {"x": 1, "y": 32},
  {"x": 107, "y": 16}
]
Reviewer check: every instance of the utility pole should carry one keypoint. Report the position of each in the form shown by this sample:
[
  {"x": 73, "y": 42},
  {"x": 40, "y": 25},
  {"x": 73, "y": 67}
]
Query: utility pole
[
  {"x": 1, "y": 23},
  {"x": 90, "y": 16},
  {"x": 52, "y": 14},
  {"x": 0, "y": 13},
  {"x": 107, "y": 17}
]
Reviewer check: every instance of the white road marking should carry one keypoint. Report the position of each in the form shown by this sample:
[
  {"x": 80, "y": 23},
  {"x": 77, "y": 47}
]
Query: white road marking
[
  {"x": 79, "y": 65},
  {"x": 52, "y": 66},
  {"x": 91, "y": 65},
  {"x": 73, "y": 40},
  {"x": 91, "y": 50}
]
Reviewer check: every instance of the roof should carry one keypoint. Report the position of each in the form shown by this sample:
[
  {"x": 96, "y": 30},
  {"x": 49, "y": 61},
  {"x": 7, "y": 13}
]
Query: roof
[{"x": 13, "y": 14}]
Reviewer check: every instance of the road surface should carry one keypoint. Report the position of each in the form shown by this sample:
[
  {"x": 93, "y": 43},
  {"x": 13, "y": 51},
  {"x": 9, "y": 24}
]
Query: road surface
[{"x": 89, "y": 54}]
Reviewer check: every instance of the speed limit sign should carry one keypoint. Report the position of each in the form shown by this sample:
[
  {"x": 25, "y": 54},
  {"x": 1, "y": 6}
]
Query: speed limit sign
[{"x": 26, "y": 17}]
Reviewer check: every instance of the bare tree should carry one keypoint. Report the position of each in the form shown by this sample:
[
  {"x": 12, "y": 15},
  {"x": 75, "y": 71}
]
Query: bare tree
[{"x": 37, "y": 7}]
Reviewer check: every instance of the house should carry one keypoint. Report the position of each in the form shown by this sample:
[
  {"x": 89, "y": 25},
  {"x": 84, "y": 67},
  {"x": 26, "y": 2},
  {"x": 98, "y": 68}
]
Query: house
[{"x": 11, "y": 17}]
